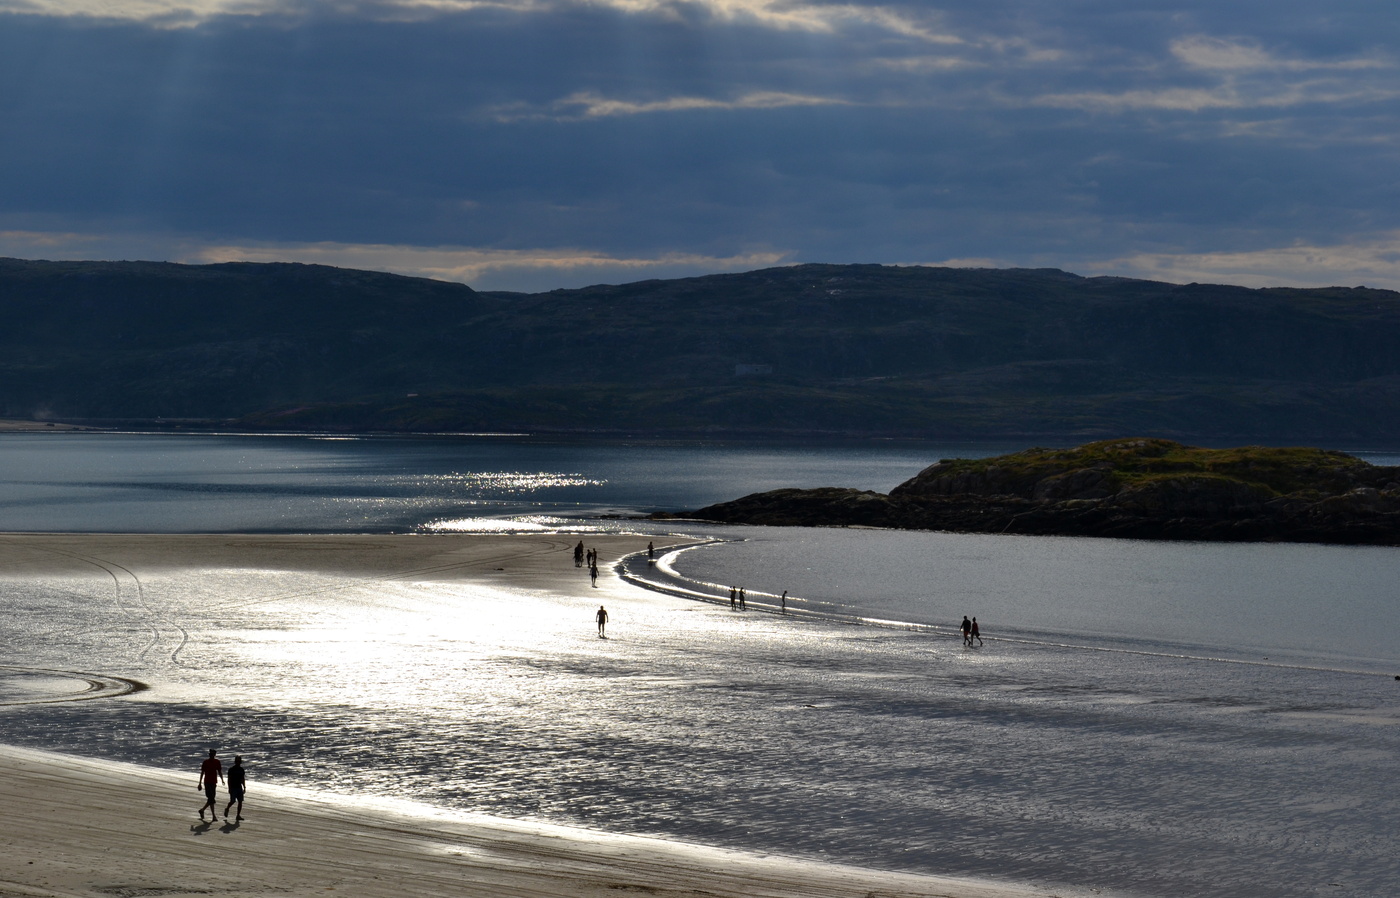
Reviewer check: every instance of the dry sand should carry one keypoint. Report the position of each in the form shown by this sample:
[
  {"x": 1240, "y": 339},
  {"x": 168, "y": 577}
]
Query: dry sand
[{"x": 79, "y": 827}]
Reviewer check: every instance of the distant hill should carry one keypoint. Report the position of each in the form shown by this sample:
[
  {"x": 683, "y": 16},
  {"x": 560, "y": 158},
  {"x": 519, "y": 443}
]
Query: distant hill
[{"x": 809, "y": 349}]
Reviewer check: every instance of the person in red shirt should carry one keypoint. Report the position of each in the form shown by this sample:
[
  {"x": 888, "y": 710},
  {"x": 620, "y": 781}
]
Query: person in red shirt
[{"x": 211, "y": 773}]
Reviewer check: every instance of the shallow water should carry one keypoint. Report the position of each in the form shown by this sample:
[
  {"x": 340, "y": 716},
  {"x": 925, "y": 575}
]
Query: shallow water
[
  {"x": 1038, "y": 762},
  {"x": 1332, "y": 606},
  {"x": 1161, "y": 718}
]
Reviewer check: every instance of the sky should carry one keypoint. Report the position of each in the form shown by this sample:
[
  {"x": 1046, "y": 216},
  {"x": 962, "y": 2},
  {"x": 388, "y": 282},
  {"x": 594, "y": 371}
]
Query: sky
[{"x": 537, "y": 144}]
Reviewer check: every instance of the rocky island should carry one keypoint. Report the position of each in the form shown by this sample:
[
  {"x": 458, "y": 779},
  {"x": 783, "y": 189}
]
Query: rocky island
[{"x": 1135, "y": 488}]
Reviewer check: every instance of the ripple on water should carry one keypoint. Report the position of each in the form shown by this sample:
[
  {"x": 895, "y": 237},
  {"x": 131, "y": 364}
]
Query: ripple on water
[{"x": 895, "y": 749}]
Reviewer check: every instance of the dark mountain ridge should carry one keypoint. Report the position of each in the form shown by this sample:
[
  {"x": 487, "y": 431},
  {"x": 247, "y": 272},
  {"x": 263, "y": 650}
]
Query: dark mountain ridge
[{"x": 810, "y": 349}]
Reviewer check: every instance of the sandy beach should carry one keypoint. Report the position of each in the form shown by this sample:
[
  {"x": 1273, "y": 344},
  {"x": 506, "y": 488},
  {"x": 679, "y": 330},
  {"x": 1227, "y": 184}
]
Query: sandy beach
[
  {"x": 89, "y": 827},
  {"x": 75, "y": 827}
]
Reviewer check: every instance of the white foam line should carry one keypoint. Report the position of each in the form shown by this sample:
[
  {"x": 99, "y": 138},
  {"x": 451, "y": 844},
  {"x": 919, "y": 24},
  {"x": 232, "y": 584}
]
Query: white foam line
[{"x": 664, "y": 565}]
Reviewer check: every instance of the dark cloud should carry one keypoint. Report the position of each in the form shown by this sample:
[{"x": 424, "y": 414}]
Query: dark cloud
[{"x": 1017, "y": 132}]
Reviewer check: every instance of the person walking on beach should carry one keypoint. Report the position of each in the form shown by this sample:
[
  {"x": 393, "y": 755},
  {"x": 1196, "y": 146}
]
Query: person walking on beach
[
  {"x": 743, "y": 605},
  {"x": 966, "y": 631},
  {"x": 211, "y": 773},
  {"x": 593, "y": 573},
  {"x": 785, "y": 601},
  {"x": 236, "y": 782},
  {"x": 651, "y": 551},
  {"x": 602, "y": 617},
  {"x": 974, "y": 633},
  {"x": 578, "y": 554},
  {"x": 733, "y": 599}
]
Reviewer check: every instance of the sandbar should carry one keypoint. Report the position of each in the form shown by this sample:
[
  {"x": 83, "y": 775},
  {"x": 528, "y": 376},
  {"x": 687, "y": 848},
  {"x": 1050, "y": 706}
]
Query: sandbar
[{"x": 89, "y": 827}]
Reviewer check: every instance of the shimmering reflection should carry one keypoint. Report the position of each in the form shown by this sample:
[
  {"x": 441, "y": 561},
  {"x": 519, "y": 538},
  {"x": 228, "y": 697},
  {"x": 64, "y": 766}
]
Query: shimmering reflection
[
  {"x": 1161, "y": 775},
  {"x": 516, "y": 524},
  {"x": 500, "y": 481},
  {"x": 242, "y": 483}
]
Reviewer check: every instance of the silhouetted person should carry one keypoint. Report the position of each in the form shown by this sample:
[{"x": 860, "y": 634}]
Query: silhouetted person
[
  {"x": 578, "y": 554},
  {"x": 602, "y": 617},
  {"x": 593, "y": 574},
  {"x": 974, "y": 633},
  {"x": 733, "y": 599},
  {"x": 651, "y": 551},
  {"x": 743, "y": 605},
  {"x": 967, "y": 631},
  {"x": 236, "y": 783},
  {"x": 211, "y": 773},
  {"x": 785, "y": 601}
]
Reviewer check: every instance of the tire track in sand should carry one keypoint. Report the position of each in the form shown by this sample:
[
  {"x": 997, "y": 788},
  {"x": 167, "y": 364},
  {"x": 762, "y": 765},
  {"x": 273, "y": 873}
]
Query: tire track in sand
[
  {"x": 142, "y": 607},
  {"x": 97, "y": 686}
]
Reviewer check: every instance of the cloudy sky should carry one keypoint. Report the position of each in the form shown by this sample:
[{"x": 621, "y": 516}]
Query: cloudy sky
[{"x": 531, "y": 144}]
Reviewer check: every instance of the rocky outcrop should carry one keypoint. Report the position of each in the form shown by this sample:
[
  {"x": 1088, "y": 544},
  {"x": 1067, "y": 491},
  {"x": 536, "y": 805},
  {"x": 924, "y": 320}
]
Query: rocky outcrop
[{"x": 1144, "y": 489}]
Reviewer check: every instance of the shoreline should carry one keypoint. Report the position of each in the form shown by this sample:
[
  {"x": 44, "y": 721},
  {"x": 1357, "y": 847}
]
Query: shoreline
[
  {"x": 296, "y": 841},
  {"x": 86, "y": 828}
]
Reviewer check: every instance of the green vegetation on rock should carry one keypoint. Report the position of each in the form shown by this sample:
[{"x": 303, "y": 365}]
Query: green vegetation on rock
[
  {"x": 1142, "y": 488},
  {"x": 1110, "y": 467}
]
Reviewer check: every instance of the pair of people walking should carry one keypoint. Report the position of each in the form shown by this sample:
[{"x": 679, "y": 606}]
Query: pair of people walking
[
  {"x": 737, "y": 600},
  {"x": 970, "y": 631},
  {"x": 211, "y": 773}
]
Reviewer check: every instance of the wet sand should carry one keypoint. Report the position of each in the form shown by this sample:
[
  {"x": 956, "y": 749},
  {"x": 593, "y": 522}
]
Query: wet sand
[{"x": 87, "y": 827}]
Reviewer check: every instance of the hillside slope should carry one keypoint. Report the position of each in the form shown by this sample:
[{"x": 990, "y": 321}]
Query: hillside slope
[{"x": 948, "y": 353}]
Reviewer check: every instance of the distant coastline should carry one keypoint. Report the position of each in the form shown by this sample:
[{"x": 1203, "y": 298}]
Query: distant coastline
[
  {"x": 21, "y": 425},
  {"x": 1132, "y": 488}
]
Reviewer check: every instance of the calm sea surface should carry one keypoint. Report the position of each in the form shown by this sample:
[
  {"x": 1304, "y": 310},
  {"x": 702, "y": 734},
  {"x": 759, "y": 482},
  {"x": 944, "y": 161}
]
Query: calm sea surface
[
  {"x": 135, "y": 483},
  {"x": 1167, "y": 719}
]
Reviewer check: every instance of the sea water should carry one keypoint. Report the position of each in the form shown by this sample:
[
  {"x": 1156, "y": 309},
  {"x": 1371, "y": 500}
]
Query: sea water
[
  {"x": 1325, "y": 606},
  {"x": 169, "y": 483},
  {"x": 1152, "y": 718}
]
